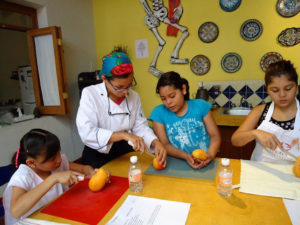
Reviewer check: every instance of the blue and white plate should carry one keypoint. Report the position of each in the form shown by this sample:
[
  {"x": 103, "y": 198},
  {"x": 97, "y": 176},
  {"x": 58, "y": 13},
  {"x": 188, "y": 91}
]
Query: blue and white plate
[
  {"x": 230, "y": 5},
  {"x": 231, "y": 62},
  {"x": 251, "y": 29},
  {"x": 288, "y": 8}
]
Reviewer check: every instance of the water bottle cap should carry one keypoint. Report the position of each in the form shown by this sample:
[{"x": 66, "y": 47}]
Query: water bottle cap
[
  {"x": 225, "y": 162},
  {"x": 133, "y": 159}
]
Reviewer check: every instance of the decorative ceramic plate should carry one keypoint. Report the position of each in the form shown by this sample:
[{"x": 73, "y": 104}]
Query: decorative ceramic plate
[
  {"x": 269, "y": 58},
  {"x": 288, "y": 8},
  {"x": 231, "y": 62},
  {"x": 208, "y": 32},
  {"x": 230, "y": 5},
  {"x": 289, "y": 37},
  {"x": 200, "y": 65},
  {"x": 251, "y": 29}
]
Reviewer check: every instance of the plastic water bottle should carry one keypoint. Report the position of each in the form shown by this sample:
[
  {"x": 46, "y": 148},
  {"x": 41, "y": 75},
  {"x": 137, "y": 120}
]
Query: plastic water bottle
[
  {"x": 225, "y": 178},
  {"x": 135, "y": 175}
]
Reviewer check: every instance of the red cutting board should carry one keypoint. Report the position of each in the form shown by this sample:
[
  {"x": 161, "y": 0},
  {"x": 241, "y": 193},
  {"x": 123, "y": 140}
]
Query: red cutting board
[{"x": 82, "y": 205}]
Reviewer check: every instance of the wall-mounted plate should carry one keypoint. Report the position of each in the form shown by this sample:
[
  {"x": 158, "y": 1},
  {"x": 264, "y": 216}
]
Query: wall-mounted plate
[
  {"x": 289, "y": 36},
  {"x": 288, "y": 8},
  {"x": 231, "y": 62},
  {"x": 230, "y": 5},
  {"x": 208, "y": 32},
  {"x": 269, "y": 58},
  {"x": 251, "y": 29},
  {"x": 200, "y": 65}
]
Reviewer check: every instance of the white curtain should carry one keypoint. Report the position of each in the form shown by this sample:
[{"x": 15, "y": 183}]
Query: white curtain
[{"x": 47, "y": 70}]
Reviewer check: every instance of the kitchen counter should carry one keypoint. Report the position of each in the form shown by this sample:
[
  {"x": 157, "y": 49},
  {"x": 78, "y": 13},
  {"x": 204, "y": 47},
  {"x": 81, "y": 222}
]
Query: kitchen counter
[
  {"x": 227, "y": 126},
  {"x": 227, "y": 120}
]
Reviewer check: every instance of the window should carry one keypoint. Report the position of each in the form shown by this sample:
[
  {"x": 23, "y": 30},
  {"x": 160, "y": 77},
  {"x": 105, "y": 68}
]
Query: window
[{"x": 46, "y": 57}]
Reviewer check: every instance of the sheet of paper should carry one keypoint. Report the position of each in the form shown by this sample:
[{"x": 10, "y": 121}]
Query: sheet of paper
[
  {"x": 276, "y": 180},
  {"x": 293, "y": 208},
  {"x": 29, "y": 221},
  {"x": 150, "y": 211},
  {"x": 141, "y": 48}
]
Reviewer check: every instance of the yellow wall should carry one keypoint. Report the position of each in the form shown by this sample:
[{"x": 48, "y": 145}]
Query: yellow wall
[{"x": 122, "y": 22}]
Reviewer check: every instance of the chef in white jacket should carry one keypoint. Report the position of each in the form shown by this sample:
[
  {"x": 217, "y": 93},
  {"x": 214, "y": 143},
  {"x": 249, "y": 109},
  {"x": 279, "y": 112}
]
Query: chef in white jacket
[{"x": 110, "y": 114}]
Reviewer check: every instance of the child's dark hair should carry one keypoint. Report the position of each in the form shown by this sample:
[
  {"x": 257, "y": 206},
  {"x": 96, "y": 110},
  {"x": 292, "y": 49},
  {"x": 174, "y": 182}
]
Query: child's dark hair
[
  {"x": 173, "y": 79},
  {"x": 35, "y": 143},
  {"x": 281, "y": 68}
]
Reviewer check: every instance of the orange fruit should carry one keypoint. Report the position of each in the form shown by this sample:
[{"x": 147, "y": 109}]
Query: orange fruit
[
  {"x": 157, "y": 165},
  {"x": 296, "y": 168},
  {"x": 98, "y": 180},
  {"x": 199, "y": 154}
]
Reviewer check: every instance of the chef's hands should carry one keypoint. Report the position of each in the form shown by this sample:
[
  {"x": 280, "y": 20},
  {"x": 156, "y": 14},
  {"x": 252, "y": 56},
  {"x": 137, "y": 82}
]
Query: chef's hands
[
  {"x": 160, "y": 151},
  {"x": 268, "y": 140},
  {"x": 136, "y": 142}
]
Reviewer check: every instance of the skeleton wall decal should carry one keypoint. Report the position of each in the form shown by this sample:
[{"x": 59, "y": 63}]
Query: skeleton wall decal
[{"x": 152, "y": 20}]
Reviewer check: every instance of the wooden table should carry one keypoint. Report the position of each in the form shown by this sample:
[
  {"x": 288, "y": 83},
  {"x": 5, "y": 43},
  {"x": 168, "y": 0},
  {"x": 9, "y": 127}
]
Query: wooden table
[
  {"x": 227, "y": 120},
  {"x": 207, "y": 206}
]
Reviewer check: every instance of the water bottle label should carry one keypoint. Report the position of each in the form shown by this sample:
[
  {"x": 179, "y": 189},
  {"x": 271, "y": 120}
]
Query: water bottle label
[
  {"x": 135, "y": 176},
  {"x": 225, "y": 180}
]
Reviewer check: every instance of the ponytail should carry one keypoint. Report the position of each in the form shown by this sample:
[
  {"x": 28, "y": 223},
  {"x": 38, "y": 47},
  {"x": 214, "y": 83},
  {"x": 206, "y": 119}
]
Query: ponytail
[{"x": 187, "y": 87}]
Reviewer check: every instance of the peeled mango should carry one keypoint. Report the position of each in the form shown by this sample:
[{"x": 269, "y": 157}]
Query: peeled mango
[
  {"x": 199, "y": 154},
  {"x": 98, "y": 180}
]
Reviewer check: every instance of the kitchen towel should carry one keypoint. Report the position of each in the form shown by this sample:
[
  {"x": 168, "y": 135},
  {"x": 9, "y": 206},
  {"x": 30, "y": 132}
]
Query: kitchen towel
[{"x": 276, "y": 180}]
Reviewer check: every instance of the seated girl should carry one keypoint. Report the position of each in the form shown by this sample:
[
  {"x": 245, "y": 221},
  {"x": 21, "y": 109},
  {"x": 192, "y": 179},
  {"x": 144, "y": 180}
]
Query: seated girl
[
  {"x": 42, "y": 173},
  {"x": 184, "y": 125},
  {"x": 274, "y": 126}
]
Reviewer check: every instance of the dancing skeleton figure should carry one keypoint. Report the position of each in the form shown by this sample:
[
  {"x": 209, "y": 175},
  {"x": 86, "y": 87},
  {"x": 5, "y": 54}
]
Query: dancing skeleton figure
[{"x": 152, "y": 20}]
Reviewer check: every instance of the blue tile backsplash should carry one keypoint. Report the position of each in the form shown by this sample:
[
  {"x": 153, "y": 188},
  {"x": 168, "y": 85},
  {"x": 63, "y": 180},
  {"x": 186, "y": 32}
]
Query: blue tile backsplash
[
  {"x": 246, "y": 92},
  {"x": 229, "y": 92},
  {"x": 262, "y": 92},
  {"x": 236, "y": 93}
]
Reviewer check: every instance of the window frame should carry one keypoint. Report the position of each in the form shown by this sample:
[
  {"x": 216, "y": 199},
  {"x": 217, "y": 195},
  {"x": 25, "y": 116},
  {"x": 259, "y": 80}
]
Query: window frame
[
  {"x": 31, "y": 12},
  {"x": 64, "y": 107}
]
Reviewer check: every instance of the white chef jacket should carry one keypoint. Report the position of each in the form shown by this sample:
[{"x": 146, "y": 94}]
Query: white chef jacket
[
  {"x": 98, "y": 117},
  {"x": 26, "y": 178}
]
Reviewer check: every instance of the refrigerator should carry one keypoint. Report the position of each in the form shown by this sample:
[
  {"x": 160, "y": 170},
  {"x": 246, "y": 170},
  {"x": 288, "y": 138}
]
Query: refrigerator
[{"x": 27, "y": 91}]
